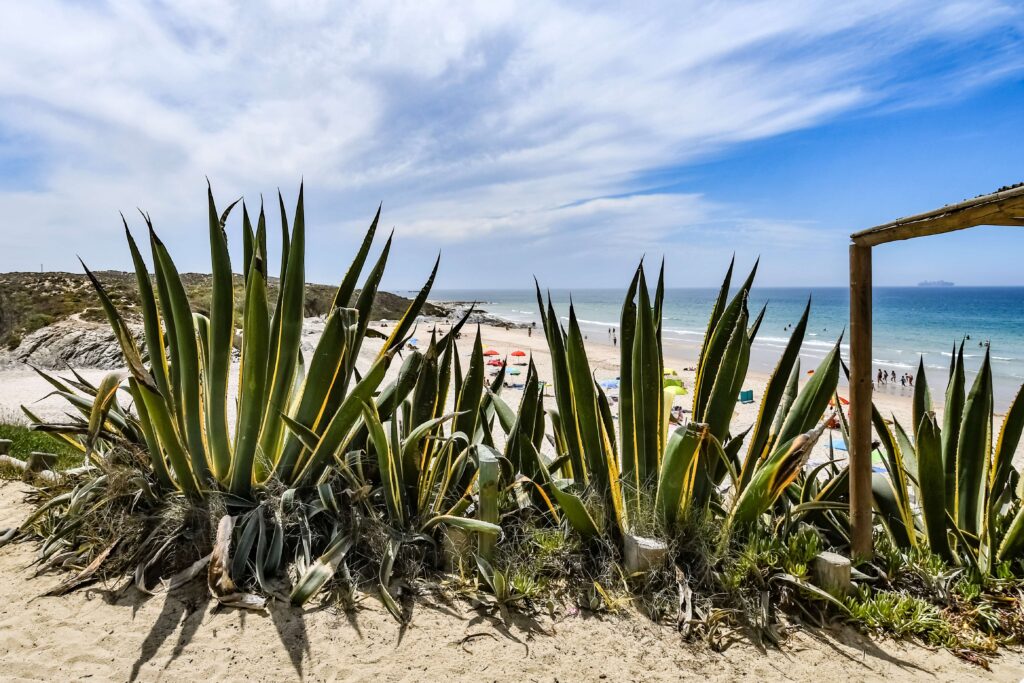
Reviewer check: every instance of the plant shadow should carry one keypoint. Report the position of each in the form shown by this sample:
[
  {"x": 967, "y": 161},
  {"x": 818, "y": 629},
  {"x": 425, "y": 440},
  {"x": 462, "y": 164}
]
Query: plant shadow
[{"x": 184, "y": 610}]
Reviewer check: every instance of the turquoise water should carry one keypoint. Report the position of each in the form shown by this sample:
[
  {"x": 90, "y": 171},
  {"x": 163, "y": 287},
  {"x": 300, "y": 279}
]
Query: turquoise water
[{"x": 909, "y": 322}]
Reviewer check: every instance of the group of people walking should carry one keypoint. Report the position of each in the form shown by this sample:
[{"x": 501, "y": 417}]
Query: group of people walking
[{"x": 883, "y": 377}]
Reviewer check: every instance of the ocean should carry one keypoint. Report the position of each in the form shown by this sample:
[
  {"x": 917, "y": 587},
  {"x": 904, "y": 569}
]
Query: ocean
[{"x": 909, "y": 323}]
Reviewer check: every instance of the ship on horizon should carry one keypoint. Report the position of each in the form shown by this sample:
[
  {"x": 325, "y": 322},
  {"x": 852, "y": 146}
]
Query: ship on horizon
[{"x": 935, "y": 283}]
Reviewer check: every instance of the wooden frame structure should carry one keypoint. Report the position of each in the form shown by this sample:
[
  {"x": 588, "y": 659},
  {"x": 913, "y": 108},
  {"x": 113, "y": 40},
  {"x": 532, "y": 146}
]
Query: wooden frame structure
[{"x": 1000, "y": 208}]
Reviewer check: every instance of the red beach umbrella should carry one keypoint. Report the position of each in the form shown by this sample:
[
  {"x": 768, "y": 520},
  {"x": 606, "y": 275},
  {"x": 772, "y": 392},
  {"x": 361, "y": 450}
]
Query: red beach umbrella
[
  {"x": 518, "y": 353},
  {"x": 490, "y": 352}
]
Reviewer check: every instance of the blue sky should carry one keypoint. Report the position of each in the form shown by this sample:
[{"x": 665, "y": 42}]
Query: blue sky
[{"x": 562, "y": 140}]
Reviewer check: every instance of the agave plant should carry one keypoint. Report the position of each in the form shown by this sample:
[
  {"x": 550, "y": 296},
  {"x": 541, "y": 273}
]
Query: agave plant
[
  {"x": 98, "y": 419},
  {"x": 294, "y": 424},
  {"x": 687, "y": 468},
  {"x": 951, "y": 488},
  {"x": 179, "y": 383},
  {"x": 428, "y": 474}
]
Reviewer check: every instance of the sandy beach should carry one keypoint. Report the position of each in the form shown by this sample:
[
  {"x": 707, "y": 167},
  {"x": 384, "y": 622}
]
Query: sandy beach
[
  {"x": 106, "y": 634},
  {"x": 24, "y": 387}
]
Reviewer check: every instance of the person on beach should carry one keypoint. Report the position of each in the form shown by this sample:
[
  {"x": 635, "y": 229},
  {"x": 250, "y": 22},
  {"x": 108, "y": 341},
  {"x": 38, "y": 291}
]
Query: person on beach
[
  {"x": 881, "y": 377},
  {"x": 903, "y": 380}
]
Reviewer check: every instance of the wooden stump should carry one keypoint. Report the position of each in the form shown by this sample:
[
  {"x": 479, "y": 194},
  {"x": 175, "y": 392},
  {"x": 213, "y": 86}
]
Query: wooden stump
[
  {"x": 38, "y": 461},
  {"x": 457, "y": 546},
  {"x": 644, "y": 554},
  {"x": 832, "y": 573}
]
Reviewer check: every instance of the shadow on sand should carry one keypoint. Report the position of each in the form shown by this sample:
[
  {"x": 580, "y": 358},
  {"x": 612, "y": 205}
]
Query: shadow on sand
[{"x": 183, "y": 612}]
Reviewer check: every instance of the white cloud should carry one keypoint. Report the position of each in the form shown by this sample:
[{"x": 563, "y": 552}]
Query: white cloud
[{"x": 472, "y": 121}]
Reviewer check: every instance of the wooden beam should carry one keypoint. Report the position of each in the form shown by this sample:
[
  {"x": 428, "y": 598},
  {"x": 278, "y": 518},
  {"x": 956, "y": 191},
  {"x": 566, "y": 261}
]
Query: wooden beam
[
  {"x": 1000, "y": 208},
  {"x": 860, "y": 401}
]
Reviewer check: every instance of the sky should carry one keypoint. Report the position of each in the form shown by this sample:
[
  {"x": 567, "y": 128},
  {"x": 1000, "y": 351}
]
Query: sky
[{"x": 562, "y": 140}]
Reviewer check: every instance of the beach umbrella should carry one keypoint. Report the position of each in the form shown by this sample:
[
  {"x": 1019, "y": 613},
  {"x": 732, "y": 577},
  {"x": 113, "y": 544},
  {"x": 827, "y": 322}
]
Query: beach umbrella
[
  {"x": 670, "y": 371},
  {"x": 514, "y": 371},
  {"x": 610, "y": 384},
  {"x": 490, "y": 352},
  {"x": 843, "y": 401},
  {"x": 518, "y": 353}
]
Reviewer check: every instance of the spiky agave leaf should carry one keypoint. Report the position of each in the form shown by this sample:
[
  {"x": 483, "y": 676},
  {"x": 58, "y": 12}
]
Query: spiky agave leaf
[
  {"x": 811, "y": 402},
  {"x": 896, "y": 498},
  {"x": 184, "y": 357},
  {"x": 772, "y": 477},
  {"x": 285, "y": 340},
  {"x": 1006, "y": 446},
  {"x": 572, "y": 506},
  {"x": 341, "y": 426},
  {"x": 646, "y": 386},
  {"x": 347, "y": 288},
  {"x": 252, "y": 388},
  {"x": 631, "y": 470},
  {"x": 221, "y": 342},
  {"x": 922, "y": 401},
  {"x": 932, "y": 484},
  {"x": 327, "y": 366},
  {"x": 567, "y": 428},
  {"x": 951, "y": 419},
  {"x": 322, "y": 570},
  {"x": 585, "y": 410},
  {"x": 973, "y": 452},
  {"x": 402, "y": 327},
  {"x": 106, "y": 395},
  {"x": 721, "y": 330},
  {"x": 773, "y": 399},
  {"x": 678, "y": 468}
]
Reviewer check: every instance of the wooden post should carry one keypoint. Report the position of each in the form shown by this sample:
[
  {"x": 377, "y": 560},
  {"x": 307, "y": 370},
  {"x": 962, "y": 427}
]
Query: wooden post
[
  {"x": 860, "y": 401},
  {"x": 489, "y": 473}
]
